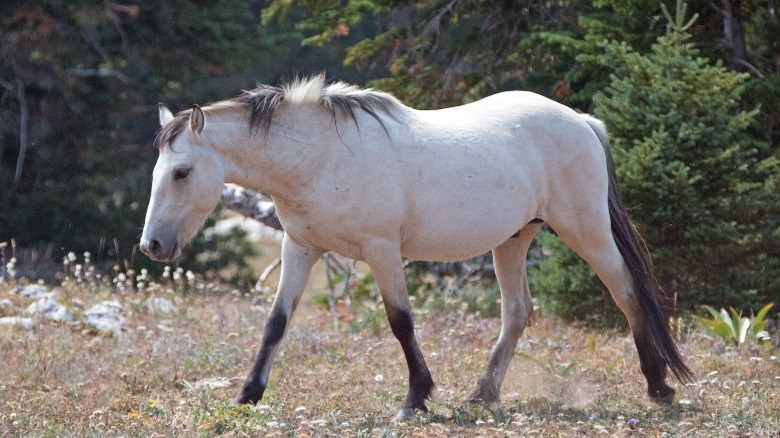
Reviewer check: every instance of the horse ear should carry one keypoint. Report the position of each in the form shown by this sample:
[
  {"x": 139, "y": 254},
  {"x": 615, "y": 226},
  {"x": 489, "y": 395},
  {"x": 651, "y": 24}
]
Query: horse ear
[
  {"x": 165, "y": 114},
  {"x": 197, "y": 119}
]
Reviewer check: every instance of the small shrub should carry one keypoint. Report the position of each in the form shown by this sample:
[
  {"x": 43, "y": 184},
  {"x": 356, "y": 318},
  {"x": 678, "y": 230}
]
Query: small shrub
[{"x": 734, "y": 328}]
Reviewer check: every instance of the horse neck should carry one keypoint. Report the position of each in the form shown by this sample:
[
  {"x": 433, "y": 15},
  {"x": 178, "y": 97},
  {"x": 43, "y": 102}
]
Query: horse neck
[{"x": 278, "y": 162}]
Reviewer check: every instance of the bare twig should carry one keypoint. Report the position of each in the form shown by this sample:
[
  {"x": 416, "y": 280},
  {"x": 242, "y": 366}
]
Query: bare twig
[
  {"x": 331, "y": 292},
  {"x": 434, "y": 25},
  {"x": 266, "y": 273},
  {"x": 750, "y": 67}
]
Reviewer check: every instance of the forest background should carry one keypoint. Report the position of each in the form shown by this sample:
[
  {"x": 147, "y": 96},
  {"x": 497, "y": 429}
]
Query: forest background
[{"x": 691, "y": 99}]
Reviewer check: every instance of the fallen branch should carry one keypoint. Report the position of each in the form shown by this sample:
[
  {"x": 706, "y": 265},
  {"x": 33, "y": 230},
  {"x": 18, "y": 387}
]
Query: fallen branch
[{"x": 251, "y": 204}]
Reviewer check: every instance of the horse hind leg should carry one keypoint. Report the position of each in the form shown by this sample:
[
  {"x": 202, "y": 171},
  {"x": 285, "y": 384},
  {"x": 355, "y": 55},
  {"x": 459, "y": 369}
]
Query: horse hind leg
[
  {"x": 516, "y": 308},
  {"x": 589, "y": 234}
]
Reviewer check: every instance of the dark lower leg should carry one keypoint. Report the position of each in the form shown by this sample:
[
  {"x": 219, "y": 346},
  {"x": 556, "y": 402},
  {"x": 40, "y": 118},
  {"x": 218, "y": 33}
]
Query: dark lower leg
[
  {"x": 254, "y": 386},
  {"x": 420, "y": 381},
  {"x": 654, "y": 368}
]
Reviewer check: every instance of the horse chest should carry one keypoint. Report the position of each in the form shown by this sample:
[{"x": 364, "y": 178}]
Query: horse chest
[{"x": 327, "y": 232}]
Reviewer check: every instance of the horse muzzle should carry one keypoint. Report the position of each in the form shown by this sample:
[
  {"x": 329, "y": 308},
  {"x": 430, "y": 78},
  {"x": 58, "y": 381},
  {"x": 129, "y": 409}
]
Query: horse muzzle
[{"x": 159, "y": 250}]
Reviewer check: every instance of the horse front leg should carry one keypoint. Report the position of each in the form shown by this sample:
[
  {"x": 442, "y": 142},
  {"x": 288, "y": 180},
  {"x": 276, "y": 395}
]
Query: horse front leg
[
  {"x": 386, "y": 265},
  {"x": 516, "y": 308},
  {"x": 297, "y": 261}
]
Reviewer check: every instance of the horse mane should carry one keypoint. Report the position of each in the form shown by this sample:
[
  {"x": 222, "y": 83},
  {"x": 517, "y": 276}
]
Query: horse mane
[{"x": 342, "y": 99}]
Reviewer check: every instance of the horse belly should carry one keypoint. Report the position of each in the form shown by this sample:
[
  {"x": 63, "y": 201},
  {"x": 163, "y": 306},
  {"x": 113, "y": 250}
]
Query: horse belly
[
  {"x": 468, "y": 199},
  {"x": 465, "y": 229}
]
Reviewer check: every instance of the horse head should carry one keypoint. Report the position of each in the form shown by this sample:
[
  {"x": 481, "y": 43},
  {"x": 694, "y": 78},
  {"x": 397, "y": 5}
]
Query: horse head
[{"x": 186, "y": 184}]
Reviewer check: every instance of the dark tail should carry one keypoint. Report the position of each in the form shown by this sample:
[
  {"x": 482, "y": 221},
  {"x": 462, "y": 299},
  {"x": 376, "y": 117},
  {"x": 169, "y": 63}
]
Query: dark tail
[{"x": 630, "y": 244}]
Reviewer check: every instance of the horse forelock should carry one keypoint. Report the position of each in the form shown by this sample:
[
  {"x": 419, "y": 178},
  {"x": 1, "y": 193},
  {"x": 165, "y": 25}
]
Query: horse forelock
[{"x": 166, "y": 133}]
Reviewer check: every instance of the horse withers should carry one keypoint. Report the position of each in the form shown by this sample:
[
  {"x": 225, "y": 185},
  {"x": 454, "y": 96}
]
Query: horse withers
[{"x": 355, "y": 171}]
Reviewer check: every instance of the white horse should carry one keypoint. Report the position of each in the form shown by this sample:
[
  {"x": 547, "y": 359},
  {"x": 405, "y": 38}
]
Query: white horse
[{"x": 355, "y": 171}]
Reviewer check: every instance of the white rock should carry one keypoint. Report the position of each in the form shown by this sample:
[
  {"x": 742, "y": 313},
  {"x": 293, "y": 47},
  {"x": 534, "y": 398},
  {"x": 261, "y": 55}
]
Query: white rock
[
  {"x": 36, "y": 292},
  {"x": 49, "y": 308},
  {"x": 61, "y": 314},
  {"x": 27, "y": 323},
  {"x": 7, "y": 307},
  {"x": 159, "y": 305},
  {"x": 213, "y": 383},
  {"x": 108, "y": 316},
  {"x": 42, "y": 306}
]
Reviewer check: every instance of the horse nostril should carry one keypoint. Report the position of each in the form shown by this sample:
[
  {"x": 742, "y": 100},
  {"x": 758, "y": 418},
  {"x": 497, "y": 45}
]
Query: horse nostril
[{"x": 155, "y": 247}]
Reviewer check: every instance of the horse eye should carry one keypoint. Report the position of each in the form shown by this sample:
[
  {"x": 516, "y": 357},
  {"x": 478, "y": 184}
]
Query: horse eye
[{"x": 180, "y": 173}]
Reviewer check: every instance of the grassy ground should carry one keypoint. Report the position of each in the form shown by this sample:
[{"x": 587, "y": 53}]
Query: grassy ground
[{"x": 175, "y": 373}]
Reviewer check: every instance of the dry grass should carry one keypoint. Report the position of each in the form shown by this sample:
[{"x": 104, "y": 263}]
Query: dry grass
[{"x": 152, "y": 379}]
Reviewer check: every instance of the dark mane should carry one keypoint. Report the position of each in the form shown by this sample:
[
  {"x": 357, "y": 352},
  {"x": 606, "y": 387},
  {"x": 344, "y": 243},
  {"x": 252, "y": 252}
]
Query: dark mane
[
  {"x": 261, "y": 104},
  {"x": 343, "y": 100}
]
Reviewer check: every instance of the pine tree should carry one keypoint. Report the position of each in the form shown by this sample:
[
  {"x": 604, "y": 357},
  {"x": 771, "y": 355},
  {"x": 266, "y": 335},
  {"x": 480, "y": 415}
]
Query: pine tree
[{"x": 701, "y": 188}]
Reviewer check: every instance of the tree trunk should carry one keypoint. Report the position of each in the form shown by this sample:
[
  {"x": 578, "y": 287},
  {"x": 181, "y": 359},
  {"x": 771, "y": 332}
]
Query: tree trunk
[
  {"x": 17, "y": 87},
  {"x": 734, "y": 35},
  {"x": 24, "y": 124}
]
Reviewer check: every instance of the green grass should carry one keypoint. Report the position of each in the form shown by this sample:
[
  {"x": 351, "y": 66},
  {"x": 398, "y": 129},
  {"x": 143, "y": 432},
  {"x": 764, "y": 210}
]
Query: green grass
[{"x": 66, "y": 380}]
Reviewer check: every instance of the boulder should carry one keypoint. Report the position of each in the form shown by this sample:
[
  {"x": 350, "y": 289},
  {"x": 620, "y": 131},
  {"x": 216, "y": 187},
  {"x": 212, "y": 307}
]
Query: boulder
[
  {"x": 108, "y": 316},
  {"x": 7, "y": 307},
  {"x": 18, "y": 321},
  {"x": 49, "y": 308},
  {"x": 36, "y": 292},
  {"x": 159, "y": 305}
]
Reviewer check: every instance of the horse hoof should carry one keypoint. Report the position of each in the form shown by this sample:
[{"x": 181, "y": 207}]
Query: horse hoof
[
  {"x": 249, "y": 395},
  {"x": 405, "y": 414},
  {"x": 477, "y": 396},
  {"x": 665, "y": 396},
  {"x": 241, "y": 400},
  {"x": 408, "y": 411}
]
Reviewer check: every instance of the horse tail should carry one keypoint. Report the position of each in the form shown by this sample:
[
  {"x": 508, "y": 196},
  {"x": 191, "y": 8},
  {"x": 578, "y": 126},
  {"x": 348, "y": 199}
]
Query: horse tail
[{"x": 631, "y": 246}]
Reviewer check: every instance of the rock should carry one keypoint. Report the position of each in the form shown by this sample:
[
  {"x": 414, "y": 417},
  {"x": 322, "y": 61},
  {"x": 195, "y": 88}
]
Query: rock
[
  {"x": 50, "y": 309},
  {"x": 18, "y": 321},
  {"x": 36, "y": 292},
  {"x": 159, "y": 305},
  {"x": 7, "y": 307},
  {"x": 108, "y": 316},
  {"x": 213, "y": 383}
]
